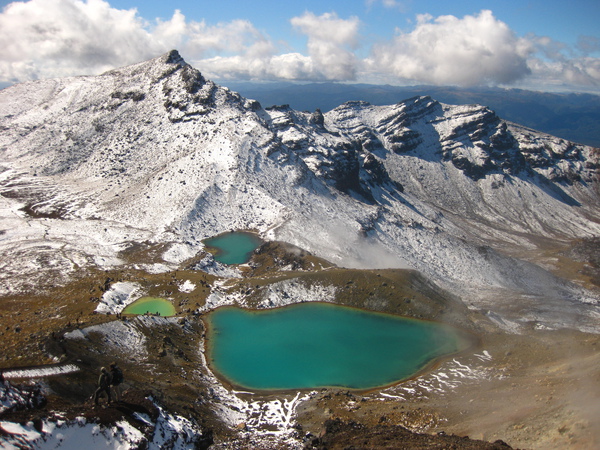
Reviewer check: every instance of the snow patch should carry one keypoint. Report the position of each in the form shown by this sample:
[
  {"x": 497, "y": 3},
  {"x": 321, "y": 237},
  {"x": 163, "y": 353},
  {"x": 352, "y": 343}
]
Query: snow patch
[
  {"x": 288, "y": 292},
  {"x": 118, "y": 297},
  {"x": 40, "y": 372},
  {"x": 187, "y": 286},
  {"x": 120, "y": 335},
  {"x": 173, "y": 432},
  {"x": 503, "y": 323},
  {"x": 209, "y": 265},
  {"x": 446, "y": 378},
  {"x": 179, "y": 252},
  {"x": 274, "y": 295},
  {"x": 274, "y": 417},
  {"x": 72, "y": 435},
  {"x": 14, "y": 397},
  {"x": 154, "y": 268},
  {"x": 170, "y": 431}
]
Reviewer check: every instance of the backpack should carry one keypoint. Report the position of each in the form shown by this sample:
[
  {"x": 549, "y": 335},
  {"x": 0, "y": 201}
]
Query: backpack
[{"x": 117, "y": 376}]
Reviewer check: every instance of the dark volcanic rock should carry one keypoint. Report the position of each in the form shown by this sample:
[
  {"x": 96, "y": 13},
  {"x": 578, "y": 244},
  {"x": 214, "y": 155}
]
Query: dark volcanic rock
[{"x": 351, "y": 435}]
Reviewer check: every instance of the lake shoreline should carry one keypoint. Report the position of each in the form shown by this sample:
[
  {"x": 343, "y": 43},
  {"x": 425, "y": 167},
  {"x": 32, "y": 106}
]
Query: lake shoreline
[{"x": 465, "y": 341}]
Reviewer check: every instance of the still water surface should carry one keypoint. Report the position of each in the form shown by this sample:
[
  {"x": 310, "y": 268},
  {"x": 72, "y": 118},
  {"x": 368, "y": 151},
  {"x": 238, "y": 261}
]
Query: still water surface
[
  {"x": 311, "y": 345},
  {"x": 152, "y": 305},
  {"x": 233, "y": 248}
]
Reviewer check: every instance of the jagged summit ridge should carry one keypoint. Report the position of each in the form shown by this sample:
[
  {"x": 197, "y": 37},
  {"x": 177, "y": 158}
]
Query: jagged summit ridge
[
  {"x": 155, "y": 152},
  {"x": 156, "y": 69},
  {"x": 173, "y": 57},
  {"x": 472, "y": 137}
]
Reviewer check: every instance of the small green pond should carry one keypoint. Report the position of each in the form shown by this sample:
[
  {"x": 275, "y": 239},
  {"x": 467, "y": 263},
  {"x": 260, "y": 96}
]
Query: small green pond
[
  {"x": 151, "y": 305},
  {"x": 313, "y": 345},
  {"x": 233, "y": 248}
]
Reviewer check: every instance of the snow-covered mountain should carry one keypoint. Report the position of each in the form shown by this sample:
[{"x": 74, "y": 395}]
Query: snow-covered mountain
[{"x": 155, "y": 153}]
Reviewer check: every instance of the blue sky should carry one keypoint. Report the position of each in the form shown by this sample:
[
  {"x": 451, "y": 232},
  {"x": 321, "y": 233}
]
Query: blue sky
[
  {"x": 542, "y": 45},
  {"x": 562, "y": 20}
]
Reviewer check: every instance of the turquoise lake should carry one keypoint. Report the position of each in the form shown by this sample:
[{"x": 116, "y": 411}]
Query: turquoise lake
[
  {"x": 152, "y": 305},
  {"x": 235, "y": 247},
  {"x": 313, "y": 345}
]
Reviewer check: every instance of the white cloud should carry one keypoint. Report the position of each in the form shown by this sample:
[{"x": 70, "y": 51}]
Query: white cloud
[
  {"x": 330, "y": 41},
  {"x": 50, "y": 38},
  {"x": 588, "y": 44},
  {"x": 574, "y": 73},
  {"x": 557, "y": 64},
  {"x": 447, "y": 50},
  {"x": 289, "y": 66},
  {"x": 330, "y": 56},
  {"x": 236, "y": 37},
  {"x": 44, "y": 38}
]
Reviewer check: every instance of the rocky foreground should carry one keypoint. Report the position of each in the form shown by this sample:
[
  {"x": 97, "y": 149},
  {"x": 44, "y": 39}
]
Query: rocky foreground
[{"x": 530, "y": 390}]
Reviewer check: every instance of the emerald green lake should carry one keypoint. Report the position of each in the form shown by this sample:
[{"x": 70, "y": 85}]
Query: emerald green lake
[
  {"x": 152, "y": 305},
  {"x": 312, "y": 345},
  {"x": 235, "y": 247}
]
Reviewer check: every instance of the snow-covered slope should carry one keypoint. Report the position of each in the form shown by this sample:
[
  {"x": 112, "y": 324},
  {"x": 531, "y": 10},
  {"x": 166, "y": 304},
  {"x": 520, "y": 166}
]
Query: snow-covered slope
[
  {"x": 155, "y": 153},
  {"x": 165, "y": 430}
]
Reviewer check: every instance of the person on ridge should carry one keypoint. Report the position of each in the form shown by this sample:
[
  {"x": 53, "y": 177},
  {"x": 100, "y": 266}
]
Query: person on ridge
[
  {"x": 116, "y": 378},
  {"x": 103, "y": 386}
]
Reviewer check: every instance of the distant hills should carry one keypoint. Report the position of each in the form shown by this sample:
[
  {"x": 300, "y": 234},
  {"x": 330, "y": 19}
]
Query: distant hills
[{"x": 575, "y": 117}]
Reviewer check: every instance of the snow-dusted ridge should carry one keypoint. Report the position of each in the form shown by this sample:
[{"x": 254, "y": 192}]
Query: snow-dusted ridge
[
  {"x": 156, "y": 153},
  {"x": 168, "y": 431}
]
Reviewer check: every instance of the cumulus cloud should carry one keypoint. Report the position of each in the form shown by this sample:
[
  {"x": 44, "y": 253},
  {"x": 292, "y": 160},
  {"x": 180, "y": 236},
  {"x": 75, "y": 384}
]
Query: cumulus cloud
[
  {"x": 330, "y": 43},
  {"x": 555, "y": 63},
  {"x": 43, "y": 38},
  {"x": 50, "y": 38},
  {"x": 582, "y": 71},
  {"x": 473, "y": 50},
  {"x": 267, "y": 66}
]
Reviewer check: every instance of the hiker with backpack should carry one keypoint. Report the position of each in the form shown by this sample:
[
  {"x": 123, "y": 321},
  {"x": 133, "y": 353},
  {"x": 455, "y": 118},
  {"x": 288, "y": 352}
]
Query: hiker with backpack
[
  {"x": 103, "y": 386},
  {"x": 116, "y": 379}
]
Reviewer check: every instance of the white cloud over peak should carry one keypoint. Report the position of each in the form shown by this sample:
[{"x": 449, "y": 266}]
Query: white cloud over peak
[
  {"x": 45, "y": 38},
  {"x": 473, "y": 50},
  {"x": 52, "y": 38},
  {"x": 578, "y": 71}
]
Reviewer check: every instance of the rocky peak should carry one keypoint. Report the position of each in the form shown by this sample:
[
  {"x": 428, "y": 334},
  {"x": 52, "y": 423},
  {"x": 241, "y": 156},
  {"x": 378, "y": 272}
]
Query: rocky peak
[
  {"x": 317, "y": 118},
  {"x": 173, "y": 57}
]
